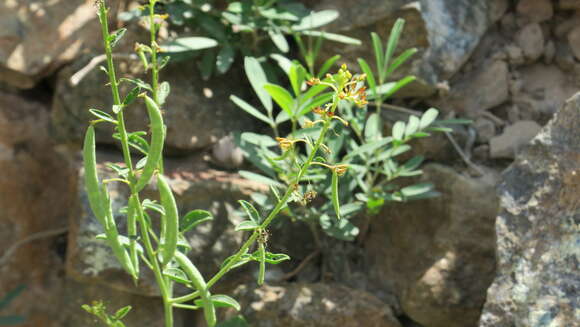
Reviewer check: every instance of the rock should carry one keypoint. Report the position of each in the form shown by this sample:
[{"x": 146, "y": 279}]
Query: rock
[
  {"x": 569, "y": 4},
  {"x": 512, "y": 139},
  {"x": 445, "y": 31},
  {"x": 194, "y": 120},
  {"x": 227, "y": 154},
  {"x": 146, "y": 311},
  {"x": 472, "y": 93},
  {"x": 536, "y": 283},
  {"x": 549, "y": 52},
  {"x": 35, "y": 186},
  {"x": 543, "y": 89},
  {"x": 309, "y": 305},
  {"x": 535, "y": 10},
  {"x": 437, "y": 255},
  {"x": 564, "y": 57},
  {"x": 485, "y": 129},
  {"x": 574, "y": 41},
  {"x": 37, "y": 37},
  {"x": 515, "y": 55},
  {"x": 531, "y": 40},
  {"x": 195, "y": 187}
]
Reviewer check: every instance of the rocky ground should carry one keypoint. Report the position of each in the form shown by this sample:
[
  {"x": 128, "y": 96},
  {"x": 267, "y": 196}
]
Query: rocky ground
[{"x": 472, "y": 257}]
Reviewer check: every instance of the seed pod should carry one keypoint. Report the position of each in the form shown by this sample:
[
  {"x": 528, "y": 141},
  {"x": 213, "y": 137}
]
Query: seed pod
[
  {"x": 132, "y": 232},
  {"x": 156, "y": 147},
  {"x": 200, "y": 284},
  {"x": 91, "y": 176},
  {"x": 262, "y": 272},
  {"x": 334, "y": 186},
  {"x": 113, "y": 236},
  {"x": 171, "y": 223}
]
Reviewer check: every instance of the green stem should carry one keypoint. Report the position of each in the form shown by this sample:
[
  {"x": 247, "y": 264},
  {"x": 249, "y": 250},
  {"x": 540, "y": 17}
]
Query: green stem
[
  {"x": 160, "y": 279},
  {"x": 115, "y": 89},
  {"x": 276, "y": 209}
]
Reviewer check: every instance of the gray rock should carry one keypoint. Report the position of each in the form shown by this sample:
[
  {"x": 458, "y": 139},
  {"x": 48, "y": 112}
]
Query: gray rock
[
  {"x": 537, "y": 281},
  {"x": 445, "y": 31},
  {"x": 512, "y": 139},
  {"x": 311, "y": 305},
  {"x": 437, "y": 255},
  {"x": 531, "y": 40},
  {"x": 195, "y": 118},
  {"x": 195, "y": 187},
  {"x": 485, "y": 129}
]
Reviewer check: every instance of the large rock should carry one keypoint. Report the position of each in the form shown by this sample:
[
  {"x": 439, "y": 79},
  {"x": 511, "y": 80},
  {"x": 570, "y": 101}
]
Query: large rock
[
  {"x": 437, "y": 255},
  {"x": 537, "y": 281},
  {"x": 479, "y": 90},
  {"x": 35, "y": 188},
  {"x": 311, "y": 305},
  {"x": 445, "y": 31},
  {"x": 37, "y": 36},
  {"x": 195, "y": 187},
  {"x": 512, "y": 139},
  {"x": 197, "y": 113}
]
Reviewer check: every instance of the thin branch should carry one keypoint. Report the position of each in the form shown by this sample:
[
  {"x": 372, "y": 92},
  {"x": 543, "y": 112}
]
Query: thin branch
[
  {"x": 36, "y": 236},
  {"x": 301, "y": 265},
  {"x": 77, "y": 77}
]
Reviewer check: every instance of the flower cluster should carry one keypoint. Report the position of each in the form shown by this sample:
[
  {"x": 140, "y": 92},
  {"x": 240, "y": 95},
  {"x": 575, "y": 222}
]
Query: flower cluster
[{"x": 347, "y": 86}]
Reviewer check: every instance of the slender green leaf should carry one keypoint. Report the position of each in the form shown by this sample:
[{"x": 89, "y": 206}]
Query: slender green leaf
[
  {"x": 116, "y": 36},
  {"x": 258, "y": 79},
  {"x": 191, "y": 43},
  {"x": 416, "y": 189},
  {"x": 247, "y": 225},
  {"x": 393, "y": 41},
  {"x": 282, "y": 61},
  {"x": 131, "y": 96},
  {"x": 103, "y": 115},
  {"x": 370, "y": 76},
  {"x": 401, "y": 59},
  {"x": 373, "y": 127},
  {"x": 333, "y": 37},
  {"x": 221, "y": 301},
  {"x": 316, "y": 19},
  {"x": 282, "y": 97},
  {"x": 250, "y": 109},
  {"x": 327, "y": 65},
  {"x": 194, "y": 218},
  {"x": 250, "y": 211},
  {"x": 428, "y": 118},
  {"x": 177, "y": 275},
  {"x": 278, "y": 39},
  {"x": 412, "y": 126},
  {"x": 378, "y": 50},
  {"x": 398, "y": 130},
  {"x": 121, "y": 313}
]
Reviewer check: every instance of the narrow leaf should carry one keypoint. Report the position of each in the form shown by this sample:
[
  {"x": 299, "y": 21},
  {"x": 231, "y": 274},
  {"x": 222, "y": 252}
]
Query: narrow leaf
[
  {"x": 250, "y": 211},
  {"x": 194, "y": 218},
  {"x": 247, "y": 225},
  {"x": 250, "y": 109},
  {"x": 282, "y": 97},
  {"x": 164, "y": 90},
  {"x": 258, "y": 79},
  {"x": 188, "y": 44},
  {"x": 428, "y": 117}
]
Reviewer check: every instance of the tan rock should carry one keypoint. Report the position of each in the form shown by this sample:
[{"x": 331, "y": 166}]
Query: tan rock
[
  {"x": 531, "y": 40},
  {"x": 512, "y": 139},
  {"x": 311, "y": 305},
  {"x": 535, "y": 10},
  {"x": 574, "y": 41},
  {"x": 437, "y": 255},
  {"x": 569, "y": 4},
  {"x": 37, "y": 36}
]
